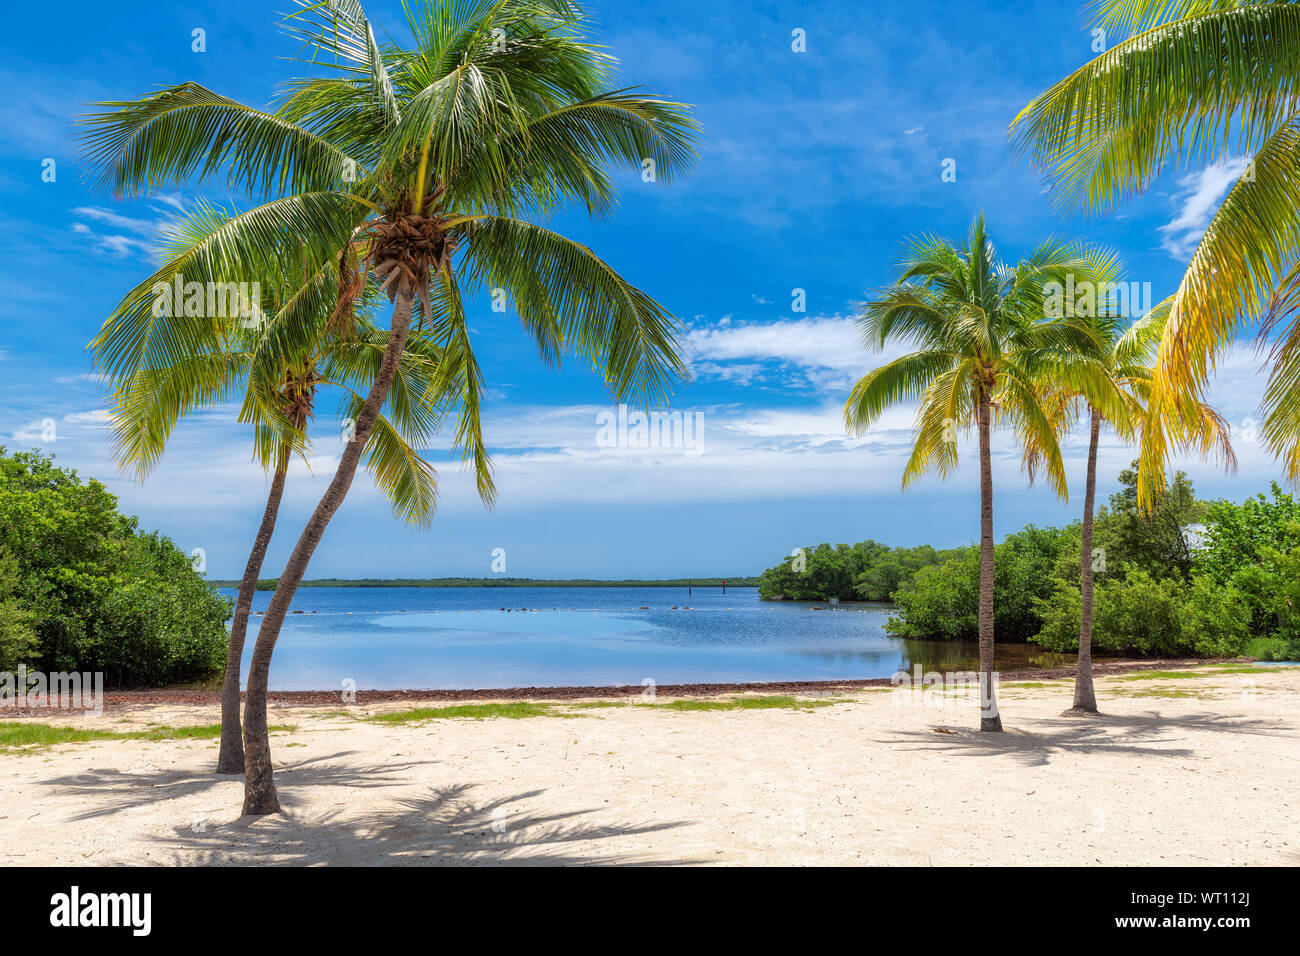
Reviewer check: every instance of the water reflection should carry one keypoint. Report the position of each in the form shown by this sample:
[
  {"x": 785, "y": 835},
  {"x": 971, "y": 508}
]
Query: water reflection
[{"x": 945, "y": 656}]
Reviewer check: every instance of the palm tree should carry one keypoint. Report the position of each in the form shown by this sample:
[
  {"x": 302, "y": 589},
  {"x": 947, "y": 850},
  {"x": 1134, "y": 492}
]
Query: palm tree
[
  {"x": 425, "y": 166},
  {"x": 279, "y": 400},
  {"x": 1107, "y": 379},
  {"x": 1195, "y": 80},
  {"x": 980, "y": 348}
]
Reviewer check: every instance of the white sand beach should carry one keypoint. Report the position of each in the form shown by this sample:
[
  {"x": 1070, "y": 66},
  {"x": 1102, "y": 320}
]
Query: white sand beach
[{"x": 1201, "y": 770}]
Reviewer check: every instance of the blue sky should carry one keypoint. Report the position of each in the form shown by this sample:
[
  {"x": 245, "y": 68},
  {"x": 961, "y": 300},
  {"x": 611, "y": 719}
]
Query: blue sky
[{"x": 815, "y": 166}]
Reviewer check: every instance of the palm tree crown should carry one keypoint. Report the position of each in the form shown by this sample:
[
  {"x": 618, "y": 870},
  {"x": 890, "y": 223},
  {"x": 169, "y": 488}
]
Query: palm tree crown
[
  {"x": 1194, "y": 81},
  {"x": 424, "y": 165},
  {"x": 252, "y": 361},
  {"x": 977, "y": 330}
]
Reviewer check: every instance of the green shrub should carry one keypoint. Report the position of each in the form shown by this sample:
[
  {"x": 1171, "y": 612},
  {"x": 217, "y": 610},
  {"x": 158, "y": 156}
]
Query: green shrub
[
  {"x": 94, "y": 592},
  {"x": 1136, "y": 614},
  {"x": 18, "y": 641},
  {"x": 1214, "y": 618},
  {"x": 1061, "y": 613},
  {"x": 1251, "y": 534},
  {"x": 1273, "y": 649},
  {"x": 942, "y": 602},
  {"x": 866, "y": 571}
]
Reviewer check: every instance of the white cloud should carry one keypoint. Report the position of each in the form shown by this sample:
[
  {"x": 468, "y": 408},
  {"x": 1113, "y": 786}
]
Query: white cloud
[
  {"x": 130, "y": 230},
  {"x": 116, "y": 220},
  {"x": 175, "y": 200},
  {"x": 1200, "y": 195},
  {"x": 116, "y": 244},
  {"x": 827, "y": 350}
]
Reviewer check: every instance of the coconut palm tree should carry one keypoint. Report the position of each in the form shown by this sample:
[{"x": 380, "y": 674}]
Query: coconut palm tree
[
  {"x": 426, "y": 166},
  {"x": 1195, "y": 81},
  {"x": 979, "y": 348},
  {"x": 279, "y": 399},
  {"x": 1108, "y": 380}
]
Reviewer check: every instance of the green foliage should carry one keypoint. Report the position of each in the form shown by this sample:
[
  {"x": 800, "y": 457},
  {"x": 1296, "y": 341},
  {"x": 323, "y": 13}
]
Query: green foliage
[
  {"x": 18, "y": 641},
  {"x": 1254, "y": 548},
  {"x": 1153, "y": 541},
  {"x": 1251, "y": 533},
  {"x": 866, "y": 571},
  {"x": 773, "y": 702},
  {"x": 1177, "y": 83},
  {"x": 95, "y": 593},
  {"x": 1274, "y": 649},
  {"x": 882, "y": 578},
  {"x": 1162, "y": 595},
  {"x": 942, "y": 601},
  {"x": 1137, "y": 614},
  {"x": 515, "y": 710}
]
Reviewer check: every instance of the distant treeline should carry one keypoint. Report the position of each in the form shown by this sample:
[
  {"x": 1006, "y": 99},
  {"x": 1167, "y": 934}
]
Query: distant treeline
[{"x": 737, "y": 582}]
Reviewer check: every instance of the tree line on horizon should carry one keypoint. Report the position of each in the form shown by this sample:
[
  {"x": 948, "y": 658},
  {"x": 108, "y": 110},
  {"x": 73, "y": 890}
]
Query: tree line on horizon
[{"x": 269, "y": 584}]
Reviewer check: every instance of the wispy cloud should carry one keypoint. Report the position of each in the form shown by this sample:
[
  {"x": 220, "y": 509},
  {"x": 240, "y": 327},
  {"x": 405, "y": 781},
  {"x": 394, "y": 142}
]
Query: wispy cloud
[
  {"x": 118, "y": 245},
  {"x": 130, "y": 234},
  {"x": 116, "y": 220},
  {"x": 1199, "y": 197}
]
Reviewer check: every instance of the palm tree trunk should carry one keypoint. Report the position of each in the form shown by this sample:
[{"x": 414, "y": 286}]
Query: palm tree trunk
[
  {"x": 230, "y": 759},
  {"x": 990, "y": 720},
  {"x": 1085, "y": 699},
  {"x": 259, "y": 783}
]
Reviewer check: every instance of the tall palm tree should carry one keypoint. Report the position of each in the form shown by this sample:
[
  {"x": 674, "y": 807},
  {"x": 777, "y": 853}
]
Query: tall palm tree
[
  {"x": 279, "y": 399},
  {"x": 1195, "y": 81},
  {"x": 980, "y": 348},
  {"x": 426, "y": 166},
  {"x": 1108, "y": 380}
]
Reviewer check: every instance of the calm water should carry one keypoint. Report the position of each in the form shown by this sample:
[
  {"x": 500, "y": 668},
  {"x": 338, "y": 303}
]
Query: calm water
[{"x": 387, "y": 638}]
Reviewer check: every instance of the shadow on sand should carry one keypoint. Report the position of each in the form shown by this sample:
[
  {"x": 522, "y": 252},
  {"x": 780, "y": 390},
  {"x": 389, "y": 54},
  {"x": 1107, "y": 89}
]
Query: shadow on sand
[
  {"x": 444, "y": 827},
  {"x": 115, "y": 791},
  {"x": 1149, "y": 735}
]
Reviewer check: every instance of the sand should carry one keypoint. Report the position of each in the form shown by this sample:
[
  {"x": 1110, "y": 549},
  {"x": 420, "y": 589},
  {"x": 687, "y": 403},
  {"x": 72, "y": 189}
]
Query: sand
[{"x": 1203, "y": 770}]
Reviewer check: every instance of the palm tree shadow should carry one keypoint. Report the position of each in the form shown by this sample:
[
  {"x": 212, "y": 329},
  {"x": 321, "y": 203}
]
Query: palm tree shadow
[
  {"x": 114, "y": 791},
  {"x": 1146, "y": 735},
  {"x": 445, "y": 827}
]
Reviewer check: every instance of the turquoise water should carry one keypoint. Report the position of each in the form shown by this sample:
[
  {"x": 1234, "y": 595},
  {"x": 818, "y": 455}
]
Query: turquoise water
[{"x": 455, "y": 638}]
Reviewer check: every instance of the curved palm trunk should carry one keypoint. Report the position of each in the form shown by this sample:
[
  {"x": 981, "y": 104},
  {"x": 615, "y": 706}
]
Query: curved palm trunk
[
  {"x": 231, "y": 757},
  {"x": 1085, "y": 699},
  {"x": 259, "y": 783},
  {"x": 989, "y": 717}
]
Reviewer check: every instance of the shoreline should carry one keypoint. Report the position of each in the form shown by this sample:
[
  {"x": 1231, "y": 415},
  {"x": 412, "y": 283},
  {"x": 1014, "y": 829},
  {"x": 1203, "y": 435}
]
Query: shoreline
[{"x": 126, "y": 699}]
